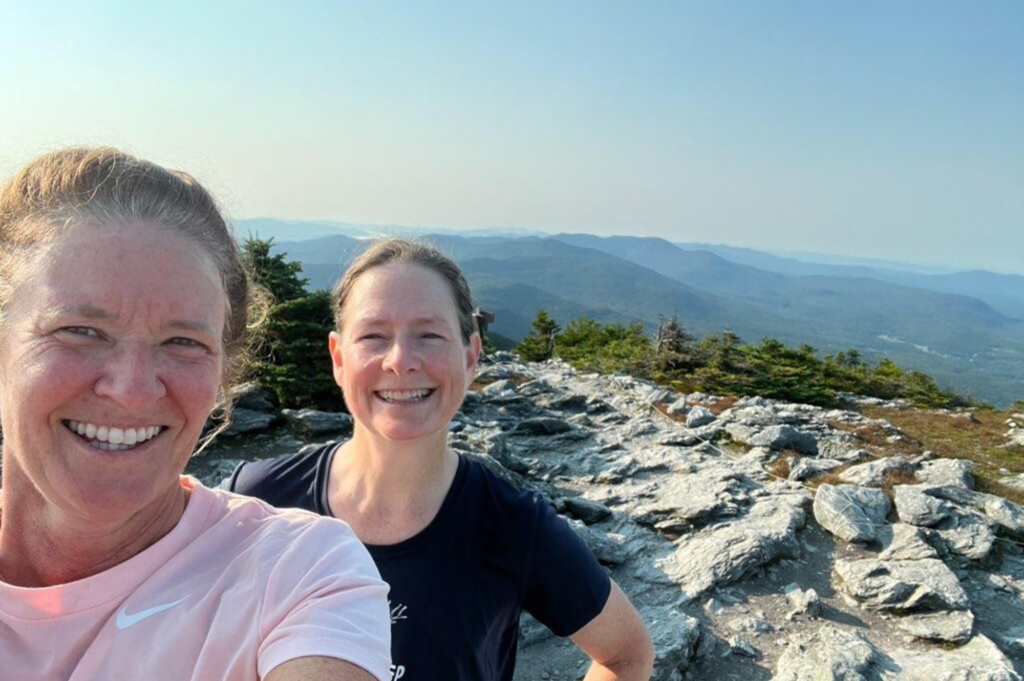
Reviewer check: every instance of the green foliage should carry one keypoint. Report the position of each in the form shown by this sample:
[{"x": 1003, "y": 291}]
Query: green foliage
[
  {"x": 722, "y": 364},
  {"x": 297, "y": 365},
  {"x": 540, "y": 342},
  {"x": 293, "y": 361},
  {"x": 605, "y": 347},
  {"x": 277, "y": 275}
]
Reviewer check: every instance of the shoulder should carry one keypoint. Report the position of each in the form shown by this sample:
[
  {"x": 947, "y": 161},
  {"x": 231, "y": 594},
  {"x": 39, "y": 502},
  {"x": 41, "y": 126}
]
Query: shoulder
[
  {"x": 502, "y": 499},
  {"x": 285, "y": 481},
  {"x": 284, "y": 547},
  {"x": 320, "y": 592}
]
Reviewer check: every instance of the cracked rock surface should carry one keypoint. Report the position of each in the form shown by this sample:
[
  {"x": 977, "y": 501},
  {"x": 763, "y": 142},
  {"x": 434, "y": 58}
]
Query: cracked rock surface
[{"x": 720, "y": 554}]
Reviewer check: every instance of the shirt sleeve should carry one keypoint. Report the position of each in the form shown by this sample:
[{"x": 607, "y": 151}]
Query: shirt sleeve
[
  {"x": 566, "y": 587},
  {"x": 228, "y": 483},
  {"x": 326, "y": 599}
]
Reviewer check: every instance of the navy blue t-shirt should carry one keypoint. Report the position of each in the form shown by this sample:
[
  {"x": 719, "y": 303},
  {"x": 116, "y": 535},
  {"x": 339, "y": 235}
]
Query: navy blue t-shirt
[{"x": 459, "y": 586}]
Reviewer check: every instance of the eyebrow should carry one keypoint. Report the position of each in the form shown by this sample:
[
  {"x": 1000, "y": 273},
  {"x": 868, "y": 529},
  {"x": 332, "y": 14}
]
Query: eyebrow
[
  {"x": 377, "y": 321},
  {"x": 93, "y": 313}
]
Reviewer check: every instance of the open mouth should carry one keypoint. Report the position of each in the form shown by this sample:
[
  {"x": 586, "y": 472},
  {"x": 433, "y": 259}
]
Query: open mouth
[
  {"x": 405, "y": 396},
  {"x": 112, "y": 439}
]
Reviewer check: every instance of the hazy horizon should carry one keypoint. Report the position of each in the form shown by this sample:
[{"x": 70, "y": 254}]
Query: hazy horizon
[{"x": 880, "y": 130}]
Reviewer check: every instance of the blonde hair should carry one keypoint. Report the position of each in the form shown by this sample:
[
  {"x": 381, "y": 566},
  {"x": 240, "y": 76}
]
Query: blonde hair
[
  {"x": 57, "y": 191},
  {"x": 404, "y": 251}
]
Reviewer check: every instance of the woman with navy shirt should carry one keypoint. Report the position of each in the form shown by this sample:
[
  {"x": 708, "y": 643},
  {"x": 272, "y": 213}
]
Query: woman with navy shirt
[{"x": 464, "y": 552}]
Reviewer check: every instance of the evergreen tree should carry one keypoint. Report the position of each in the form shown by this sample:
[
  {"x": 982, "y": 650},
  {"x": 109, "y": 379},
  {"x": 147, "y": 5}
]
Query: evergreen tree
[
  {"x": 539, "y": 344},
  {"x": 297, "y": 366},
  {"x": 273, "y": 272}
]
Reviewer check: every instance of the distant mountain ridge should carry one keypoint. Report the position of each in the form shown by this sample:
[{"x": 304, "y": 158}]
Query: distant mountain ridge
[{"x": 972, "y": 343}]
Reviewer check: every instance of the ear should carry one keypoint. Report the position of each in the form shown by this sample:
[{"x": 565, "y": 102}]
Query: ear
[
  {"x": 472, "y": 357},
  {"x": 334, "y": 346}
]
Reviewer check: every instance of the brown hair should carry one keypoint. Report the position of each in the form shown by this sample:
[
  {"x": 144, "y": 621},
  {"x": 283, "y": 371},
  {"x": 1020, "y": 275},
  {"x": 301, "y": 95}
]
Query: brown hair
[
  {"x": 56, "y": 191},
  {"x": 404, "y": 251}
]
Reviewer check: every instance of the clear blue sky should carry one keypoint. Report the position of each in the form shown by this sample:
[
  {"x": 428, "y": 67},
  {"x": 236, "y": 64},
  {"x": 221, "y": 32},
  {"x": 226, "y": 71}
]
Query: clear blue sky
[{"x": 869, "y": 128}]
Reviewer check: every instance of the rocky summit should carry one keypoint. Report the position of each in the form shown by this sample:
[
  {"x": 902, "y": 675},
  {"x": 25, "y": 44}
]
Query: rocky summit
[{"x": 757, "y": 539}]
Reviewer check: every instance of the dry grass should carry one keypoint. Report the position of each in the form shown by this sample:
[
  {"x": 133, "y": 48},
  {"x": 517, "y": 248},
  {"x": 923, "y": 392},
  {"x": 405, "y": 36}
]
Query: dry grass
[
  {"x": 892, "y": 478},
  {"x": 518, "y": 379},
  {"x": 721, "y": 405},
  {"x": 715, "y": 408},
  {"x": 875, "y": 438},
  {"x": 955, "y": 437},
  {"x": 950, "y": 436},
  {"x": 830, "y": 478},
  {"x": 663, "y": 410},
  {"x": 780, "y": 468},
  {"x": 984, "y": 484}
]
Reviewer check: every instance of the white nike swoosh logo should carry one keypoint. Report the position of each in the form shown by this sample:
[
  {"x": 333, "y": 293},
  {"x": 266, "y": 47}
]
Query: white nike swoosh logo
[{"x": 124, "y": 620}]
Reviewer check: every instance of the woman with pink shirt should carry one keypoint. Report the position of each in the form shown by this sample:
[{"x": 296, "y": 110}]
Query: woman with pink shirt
[{"x": 123, "y": 315}]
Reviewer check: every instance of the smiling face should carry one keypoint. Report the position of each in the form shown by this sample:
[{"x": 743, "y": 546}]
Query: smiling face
[
  {"x": 399, "y": 357},
  {"x": 110, "y": 358}
]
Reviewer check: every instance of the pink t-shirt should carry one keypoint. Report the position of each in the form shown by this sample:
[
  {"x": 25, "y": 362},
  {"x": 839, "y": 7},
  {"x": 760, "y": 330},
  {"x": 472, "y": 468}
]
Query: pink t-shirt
[{"x": 237, "y": 588}]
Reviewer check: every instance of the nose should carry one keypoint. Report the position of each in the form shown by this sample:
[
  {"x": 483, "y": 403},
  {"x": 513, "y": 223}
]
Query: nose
[
  {"x": 401, "y": 357},
  {"x": 130, "y": 377}
]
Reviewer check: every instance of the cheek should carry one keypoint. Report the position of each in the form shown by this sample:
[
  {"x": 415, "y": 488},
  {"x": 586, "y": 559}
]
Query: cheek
[
  {"x": 55, "y": 378},
  {"x": 194, "y": 388}
]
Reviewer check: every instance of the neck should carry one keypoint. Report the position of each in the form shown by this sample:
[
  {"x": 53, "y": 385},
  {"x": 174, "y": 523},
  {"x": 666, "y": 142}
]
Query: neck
[
  {"x": 372, "y": 474},
  {"x": 40, "y": 545}
]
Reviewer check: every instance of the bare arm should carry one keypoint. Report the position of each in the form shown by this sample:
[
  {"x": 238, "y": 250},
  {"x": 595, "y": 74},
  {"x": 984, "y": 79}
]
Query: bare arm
[
  {"x": 617, "y": 641},
  {"x": 318, "y": 669}
]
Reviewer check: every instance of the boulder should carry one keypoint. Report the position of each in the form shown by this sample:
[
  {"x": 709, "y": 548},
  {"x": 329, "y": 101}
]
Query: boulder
[
  {"x": 809, "y": 467},
  {"x": 609, "y": 549},
  {"x": 1014, "y": 481},
  {"x": 677, "y": 407},
  {"x": 852, "y": 513},
  {"x": 977, "y": 660},
  {"x": 541, "y": 425},
  {"x": 501, "y": 386},
  {"x": 777, "y": 437},
  {"x": 675, "y": 636},
  {"x": 831, "y": 655},
  {"x": 589, "y": 512},
  {"x": 872, "y": 473},
  {"x": 915, "y": 506},
  {"x": 904, "y": 542},
  {"x": 254, "y": 397},
  {"x": 1008, "y": 515},
  {"x": 699, "y": 416},
  {"x": 802, "y": 602},
  {"x": 244, "y": 421},
  {"x": 311, "y": 422},
  {"x": 726, "y": 552},
  {"x": 946, "y": 472},
  {"x": 684, "y": 500},
  {"x": 968, "y": 536},
  {"x": 925, "y": 593}
]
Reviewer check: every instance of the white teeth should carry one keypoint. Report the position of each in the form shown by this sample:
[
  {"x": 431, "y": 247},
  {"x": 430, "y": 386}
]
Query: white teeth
[
  {"x": 403, "y": 395},
  {"x": 111, "y": 438}
]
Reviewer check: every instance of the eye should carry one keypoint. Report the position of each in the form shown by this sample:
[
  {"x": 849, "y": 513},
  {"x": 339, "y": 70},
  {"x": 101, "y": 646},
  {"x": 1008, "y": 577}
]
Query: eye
[
  {"x": 430, "y": 335},
  {"x": 83, "y": 331},
  {"x": 373, "y": 335},
  {"x": 185, "y": 343}
]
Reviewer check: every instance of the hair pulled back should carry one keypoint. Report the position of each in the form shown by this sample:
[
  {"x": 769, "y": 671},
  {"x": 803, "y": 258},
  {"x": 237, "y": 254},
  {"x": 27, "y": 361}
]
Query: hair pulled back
[
  {"x": 394, "y": 251},
  {"x": 57, "y": 191}
]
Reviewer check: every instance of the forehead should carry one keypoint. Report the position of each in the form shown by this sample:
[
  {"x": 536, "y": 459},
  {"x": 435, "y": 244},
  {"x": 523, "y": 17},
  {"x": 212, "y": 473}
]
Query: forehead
[
  {"x": 400, "y": 290},
  {"x": 118, "y": 268}
]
